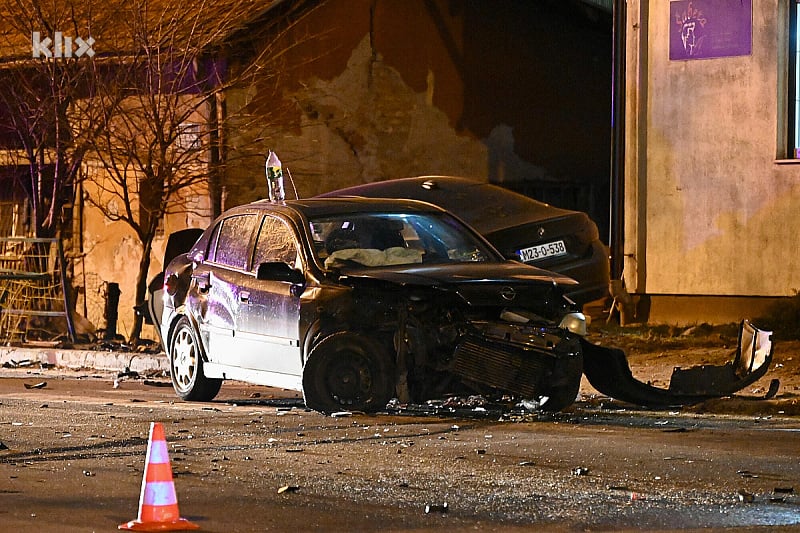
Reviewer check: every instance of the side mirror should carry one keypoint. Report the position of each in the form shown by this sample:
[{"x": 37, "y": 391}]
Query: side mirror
[{"x": 279, "y": 271}]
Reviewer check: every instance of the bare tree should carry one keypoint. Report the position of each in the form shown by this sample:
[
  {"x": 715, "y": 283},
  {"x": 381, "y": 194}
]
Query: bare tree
[
  {"x": 163, "y": 145},
  {"x": 49, "y": 73},
  {"x": 146, "y": 101}
]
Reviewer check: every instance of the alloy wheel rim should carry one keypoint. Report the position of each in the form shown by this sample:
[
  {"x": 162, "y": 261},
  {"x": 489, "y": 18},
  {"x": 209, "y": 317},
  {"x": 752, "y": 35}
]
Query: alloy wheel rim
[{"x": 183, "y": 360}]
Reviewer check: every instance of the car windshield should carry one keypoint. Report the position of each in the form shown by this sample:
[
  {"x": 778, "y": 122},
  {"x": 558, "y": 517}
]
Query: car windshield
[{"x": 384, "y": 239}]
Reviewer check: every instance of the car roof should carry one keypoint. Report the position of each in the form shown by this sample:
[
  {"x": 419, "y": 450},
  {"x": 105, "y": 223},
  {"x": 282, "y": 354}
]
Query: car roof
[
  {"x": 485, "y": 206},
  {"x": 315, "y": 207}
]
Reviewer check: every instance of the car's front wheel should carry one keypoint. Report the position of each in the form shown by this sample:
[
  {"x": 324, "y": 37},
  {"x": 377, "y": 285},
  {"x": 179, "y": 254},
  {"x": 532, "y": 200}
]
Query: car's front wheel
[
  {"x": 347, "y": 371},
  {"x": 186, "y": 365}
]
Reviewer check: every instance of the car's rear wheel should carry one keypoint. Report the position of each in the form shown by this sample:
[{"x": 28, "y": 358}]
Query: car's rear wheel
[
  {"x": 347, "y": 371},
  {"x": 186, "y": 366}
]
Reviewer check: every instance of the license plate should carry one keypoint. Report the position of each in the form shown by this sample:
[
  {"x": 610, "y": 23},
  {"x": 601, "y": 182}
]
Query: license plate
[{"x": 540, "y": 251}]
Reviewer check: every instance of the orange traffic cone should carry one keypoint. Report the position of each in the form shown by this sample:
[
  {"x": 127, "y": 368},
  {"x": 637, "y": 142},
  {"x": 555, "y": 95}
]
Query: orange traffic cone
[{"x": 158, "y": 503}]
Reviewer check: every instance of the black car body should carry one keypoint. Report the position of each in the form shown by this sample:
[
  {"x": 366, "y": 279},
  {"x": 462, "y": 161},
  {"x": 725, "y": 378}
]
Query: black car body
[
  {"x": 355, "y": 301},
  {"x": 520, "y": 227}
]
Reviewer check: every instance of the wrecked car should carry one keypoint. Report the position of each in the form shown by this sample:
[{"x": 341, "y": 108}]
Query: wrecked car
[
  {"x": 520, "y": 227},
  {"x": 356, "y": 301}
]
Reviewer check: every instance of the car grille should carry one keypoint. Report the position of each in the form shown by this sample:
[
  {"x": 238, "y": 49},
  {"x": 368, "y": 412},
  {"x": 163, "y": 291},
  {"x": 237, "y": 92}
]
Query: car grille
[{"x": 503, "y": 366}]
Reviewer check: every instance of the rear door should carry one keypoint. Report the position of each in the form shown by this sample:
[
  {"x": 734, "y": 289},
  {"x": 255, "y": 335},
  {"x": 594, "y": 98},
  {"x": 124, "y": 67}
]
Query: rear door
[{"x": 221, "y": 280}]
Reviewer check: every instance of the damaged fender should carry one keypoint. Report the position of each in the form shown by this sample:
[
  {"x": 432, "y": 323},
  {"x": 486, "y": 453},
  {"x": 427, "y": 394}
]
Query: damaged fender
[{"x": 608, "y": 371}]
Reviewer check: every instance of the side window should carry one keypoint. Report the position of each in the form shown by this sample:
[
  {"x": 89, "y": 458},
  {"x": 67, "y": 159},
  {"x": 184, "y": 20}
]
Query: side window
[
  {"x": 793, "y": 83},
  {"x": 276, "y": 242},
  {"x": 234, "y": 240},
  {"x": 212, "y": 244}
]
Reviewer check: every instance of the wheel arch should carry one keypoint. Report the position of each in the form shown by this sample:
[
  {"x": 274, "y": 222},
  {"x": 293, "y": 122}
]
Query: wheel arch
[
  {"x": 334, "y": 341},
  {"x": 195, "y": 327},
  {"x": 321, "y": 329}
]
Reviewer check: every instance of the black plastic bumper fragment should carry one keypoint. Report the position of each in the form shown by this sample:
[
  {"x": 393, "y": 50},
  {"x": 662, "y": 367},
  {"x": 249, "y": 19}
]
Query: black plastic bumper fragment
[{"x": 608, "y": 371}]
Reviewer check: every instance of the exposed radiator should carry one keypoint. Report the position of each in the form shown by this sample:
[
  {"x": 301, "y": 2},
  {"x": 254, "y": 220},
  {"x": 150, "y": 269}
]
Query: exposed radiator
[{"x": 506, "y": 367}]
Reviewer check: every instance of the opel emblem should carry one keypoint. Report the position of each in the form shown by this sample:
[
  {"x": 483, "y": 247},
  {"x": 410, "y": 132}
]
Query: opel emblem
[
  {"x": 508, "y": 293},
  {"x": 540, "y": 231}
]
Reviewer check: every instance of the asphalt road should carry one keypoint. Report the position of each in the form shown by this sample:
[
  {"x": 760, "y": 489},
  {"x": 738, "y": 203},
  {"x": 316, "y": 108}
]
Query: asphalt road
[{"x": 76, "y": 451}]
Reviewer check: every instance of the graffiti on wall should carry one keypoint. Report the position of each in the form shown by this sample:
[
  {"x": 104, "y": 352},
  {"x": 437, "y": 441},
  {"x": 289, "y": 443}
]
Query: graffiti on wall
[{"x": 703, "y": 29}]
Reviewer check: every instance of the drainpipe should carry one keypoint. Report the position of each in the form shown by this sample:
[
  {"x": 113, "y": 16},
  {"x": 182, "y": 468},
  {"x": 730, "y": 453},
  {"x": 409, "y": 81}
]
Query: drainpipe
[
  {"x": 111, "y": 310},
  {"x": 617, "y": 188}
]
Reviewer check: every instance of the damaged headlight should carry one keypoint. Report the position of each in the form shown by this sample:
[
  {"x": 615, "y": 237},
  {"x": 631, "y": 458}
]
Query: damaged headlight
[{"x": 574, "y": 322}]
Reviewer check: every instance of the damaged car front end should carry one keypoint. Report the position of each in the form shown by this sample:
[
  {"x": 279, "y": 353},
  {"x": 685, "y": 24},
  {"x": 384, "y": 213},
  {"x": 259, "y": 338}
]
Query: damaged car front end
[
  {"x": 357, "y": 301},
  {"x": 474, "y": 329}
]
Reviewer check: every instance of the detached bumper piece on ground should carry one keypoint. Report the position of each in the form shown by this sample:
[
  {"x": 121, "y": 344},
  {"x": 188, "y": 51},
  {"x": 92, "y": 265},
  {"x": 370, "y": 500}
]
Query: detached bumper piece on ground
[{"x": 608, "y": 371}]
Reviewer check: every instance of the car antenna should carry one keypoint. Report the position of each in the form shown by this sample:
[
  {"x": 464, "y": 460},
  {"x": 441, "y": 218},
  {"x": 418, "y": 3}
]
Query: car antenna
[{"x": 291, "y": 181}]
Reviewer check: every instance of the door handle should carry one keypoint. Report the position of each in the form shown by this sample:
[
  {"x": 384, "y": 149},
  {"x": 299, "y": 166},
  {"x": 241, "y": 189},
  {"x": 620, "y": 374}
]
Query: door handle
[
  {"x": 244, "y": 297},
  {"x": 203, "y": 282}
]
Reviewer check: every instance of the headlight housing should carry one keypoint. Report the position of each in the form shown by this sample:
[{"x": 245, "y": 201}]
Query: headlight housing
[{"x": 574, "y": 322}]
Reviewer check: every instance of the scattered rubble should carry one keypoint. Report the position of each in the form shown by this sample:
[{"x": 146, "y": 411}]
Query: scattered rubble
[
  {"x": 746, "y": 497},
  {"x": 17, "y": 364}
]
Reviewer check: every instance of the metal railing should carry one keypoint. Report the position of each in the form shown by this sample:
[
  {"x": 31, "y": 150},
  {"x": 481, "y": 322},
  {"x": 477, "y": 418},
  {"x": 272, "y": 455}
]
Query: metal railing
[{"x": 32, "y": 290}]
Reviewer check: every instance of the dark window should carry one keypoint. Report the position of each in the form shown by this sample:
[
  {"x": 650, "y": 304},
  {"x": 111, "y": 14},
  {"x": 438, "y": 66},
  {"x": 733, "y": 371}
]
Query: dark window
[
  {"x": 793, "y": 96},
  {"x": 234, "y": 241},
  {"x": 276, "y": 242},
  {"x": 212, "y": 243}
]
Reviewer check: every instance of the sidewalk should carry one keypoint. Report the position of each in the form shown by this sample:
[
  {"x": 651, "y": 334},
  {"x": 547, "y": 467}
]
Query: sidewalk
[{"x": 77, "y": 359}]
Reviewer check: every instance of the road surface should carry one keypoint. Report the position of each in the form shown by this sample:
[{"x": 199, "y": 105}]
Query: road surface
[{"x": 75, "y": 453}]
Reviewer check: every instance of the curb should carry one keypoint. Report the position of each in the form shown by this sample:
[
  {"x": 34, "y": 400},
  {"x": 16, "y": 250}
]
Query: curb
[{"x": 77, "y": 359}]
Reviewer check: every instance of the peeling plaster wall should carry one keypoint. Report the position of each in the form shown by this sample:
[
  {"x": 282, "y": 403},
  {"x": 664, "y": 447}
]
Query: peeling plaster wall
[
  {"x": 382, "y": 128},
  {"x": 718, "y": 208},
  {"x": 516, "y": 91}
]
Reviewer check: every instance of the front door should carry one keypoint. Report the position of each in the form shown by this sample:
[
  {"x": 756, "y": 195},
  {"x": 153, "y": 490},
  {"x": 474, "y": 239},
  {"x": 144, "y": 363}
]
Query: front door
[{"x": 269, "y": 328}]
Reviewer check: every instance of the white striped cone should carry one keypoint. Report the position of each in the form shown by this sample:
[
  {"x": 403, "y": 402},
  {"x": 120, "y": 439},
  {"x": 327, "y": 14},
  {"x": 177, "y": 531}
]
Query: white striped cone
[{"x": 158, "y": 503}]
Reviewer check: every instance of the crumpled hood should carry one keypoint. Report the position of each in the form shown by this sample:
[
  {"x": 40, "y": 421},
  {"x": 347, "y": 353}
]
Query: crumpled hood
[
  {"x": 497, "y": 285},
  {"x": 507, "y": 272}
]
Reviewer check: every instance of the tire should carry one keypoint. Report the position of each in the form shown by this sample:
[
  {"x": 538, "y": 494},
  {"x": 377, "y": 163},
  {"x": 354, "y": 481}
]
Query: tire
[
  {"x": 347, "y": 371},
  {"x": 186, "y": 366}
]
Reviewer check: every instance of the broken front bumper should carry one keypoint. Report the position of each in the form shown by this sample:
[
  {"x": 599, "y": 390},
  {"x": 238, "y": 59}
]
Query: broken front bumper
[{"x": 608, "y": 371}]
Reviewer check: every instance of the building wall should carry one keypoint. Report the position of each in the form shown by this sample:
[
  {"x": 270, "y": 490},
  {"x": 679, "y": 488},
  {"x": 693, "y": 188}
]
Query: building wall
[
  {"x": 710, "y": 196},
  {"x": 502, "y": 91},
  {"x": 112, "y": 253}
]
